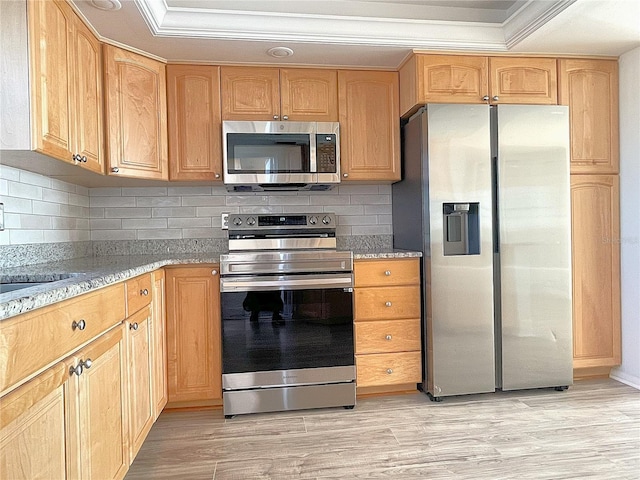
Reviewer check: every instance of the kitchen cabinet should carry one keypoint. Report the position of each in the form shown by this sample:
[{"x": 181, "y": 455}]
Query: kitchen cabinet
[
  {"x": 193, "y": 106},
  {"x": 476, "y": 79},
  {"x": 136, "y": 115},
  {"x": 194, "y": 360},
  {"x": 387, "y": 324},
  {"x": 159, "y": 342},
  {"x": 52, "y": 92},
  {"x": 298, "y": 94},
  {"x": 595, "y": 225},
  {"x": 369, "y": 126},
  {"x": 590, "y": 89}
]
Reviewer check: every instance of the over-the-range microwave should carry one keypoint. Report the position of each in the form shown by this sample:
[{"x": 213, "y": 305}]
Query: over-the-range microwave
[{"x": 260, "y": 156}]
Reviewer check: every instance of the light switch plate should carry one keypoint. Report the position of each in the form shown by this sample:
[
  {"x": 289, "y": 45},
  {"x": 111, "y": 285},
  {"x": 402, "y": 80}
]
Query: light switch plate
[{"x": 1, "y": 216}]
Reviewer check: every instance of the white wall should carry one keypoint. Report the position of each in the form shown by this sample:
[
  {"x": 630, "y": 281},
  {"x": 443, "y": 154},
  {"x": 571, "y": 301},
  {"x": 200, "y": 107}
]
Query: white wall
[{"x": 629, "y": 371}]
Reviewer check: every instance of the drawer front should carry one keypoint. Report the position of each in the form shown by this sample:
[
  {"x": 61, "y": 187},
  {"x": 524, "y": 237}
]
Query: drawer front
[
  {"x": 31, "y": 342},
  {"x": 138, "y": 293},
  {"x": 386, "y": 303},
  {"x": 388, "y": 336},
  {"x": 378, "y": 273},
  {"x": 388, "y": 369}
]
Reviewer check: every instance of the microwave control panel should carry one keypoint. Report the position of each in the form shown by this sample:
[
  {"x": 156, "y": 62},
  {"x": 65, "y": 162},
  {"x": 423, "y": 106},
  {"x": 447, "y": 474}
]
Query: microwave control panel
[{"x": 326, "y": 153}]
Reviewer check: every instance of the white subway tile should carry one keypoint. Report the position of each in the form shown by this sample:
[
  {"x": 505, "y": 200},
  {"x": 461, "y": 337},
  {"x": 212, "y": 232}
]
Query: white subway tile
[
  {"x": 356, "y": 220},
  {"x": 9, "y": 173},
  {"x": 158, "y": 201},
  {"x": 344, "y": 210},
  {"x": 382, "y": 209},
  {"x": 143, "y": 223},
  {"x": 24, "y": 190},
  {"x": 26, "y": 236},
  {"x": 82, "y": 190},
  {"x": 371, "y": 230},
  {"x": 63, "y": 186},
  {"x": 329, "y": 199},
  {"x": 36, "y": 222},
  {"x": 385, "y": 219},
  {"x": 343, "y": 230},
  {"x": 96, "y": 212},
  {"x": 219, "y": 190},
  {"x": 357, "y": 189},
  {"x": 4, "y": 186},
  {"x": 260, "y": 209},
  {"x": 370, "y": 199},
  {"x": 202, "y": 201},
  {"x": 34, "y": 179},
  {"x": 18, "y": 205},
  {"x": 105, "y": 192},
  {"x": 198, "y": 232},
  {"x": 12, "y": 220},
  {"x": 244, "y": 200},
  {"x": 82, "y": 223},
  {"x": 51, "y": 236},
  {"x": 55, "y": 196},
  {"x": 105, "y": 224},
  {"x": 289, "y": 200},
  {"x": 79, "y": 200},
  {"x": 64, "y": 223},
  {"x": 5, "y": 237},
  {"x": 214, "y": 211},
  {"x": 112, "y": 201},
  {"x": 183, "y": 191},
  {"x": 127, "y": 213},
  {"x": 384, "y": 189},
  {"x": 74, "y": 211},
  {"x": 144, "y": 192},
  {"x": 189, "y": 222},
  {"x": 173, "y": 212},
  {"x": 158, "y": 234},
  {"x": 113, "y": 235},
  {"x": 293, "y": 209}
]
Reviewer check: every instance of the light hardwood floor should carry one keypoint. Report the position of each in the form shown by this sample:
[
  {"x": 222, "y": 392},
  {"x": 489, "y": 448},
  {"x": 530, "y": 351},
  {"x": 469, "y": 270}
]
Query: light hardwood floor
[{"x": 590, "y": 431}]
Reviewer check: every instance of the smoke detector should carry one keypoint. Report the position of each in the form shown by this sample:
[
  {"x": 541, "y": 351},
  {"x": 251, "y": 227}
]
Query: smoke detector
[
  {"x": 109, "y": 5},
  {"x": 280, "y": 52}
]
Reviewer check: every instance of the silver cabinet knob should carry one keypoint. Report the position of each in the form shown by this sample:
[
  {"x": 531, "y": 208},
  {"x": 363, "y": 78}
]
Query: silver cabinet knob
[
  {"x": 84, "y": 159},
  {"x": 276, "y": 117},
  {"x": 485, "y": 98},
  {"x": 387, "y": 304},
  {"x": 77, "y": 369},
  {"x": 115, "y": 169},
  {"x": 217, "y": 175},
  {"x": 80, "y": 325},
  {"x": 87, "y": 363},
  {"x": 144, "y": 292},
  {"x": 388, "y": 337},
  {"x": 214, "y": 272},
  {"x": 285, "y": 117},
  {"x": 345, "y": 175},
  {"x": 134, "y": 326},
  {"x": 76, "y": 158},
  {"x": 387, "y": 273},
  {"x": 496, "y": 98},
  {"x": 389, "y": 371}
]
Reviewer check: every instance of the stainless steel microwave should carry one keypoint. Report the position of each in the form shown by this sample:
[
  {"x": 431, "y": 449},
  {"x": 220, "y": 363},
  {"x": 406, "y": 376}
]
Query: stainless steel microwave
[{"x": 261, "y": 156}]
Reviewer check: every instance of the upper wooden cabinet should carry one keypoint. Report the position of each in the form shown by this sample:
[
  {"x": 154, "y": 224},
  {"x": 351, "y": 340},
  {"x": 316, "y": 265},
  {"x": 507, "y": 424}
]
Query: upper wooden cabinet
[
  {"x": 136, "y": 115},
  {"x": 298, "y": 94},
  {"x": 475, "y": 79},
  {"x": 369, "y": 125},
  {"x": 193, "y": 97},
  {"x": 590, "y": 88},
  {"x": 595, "y": 231},
  {"x": 66, "y": 86}
]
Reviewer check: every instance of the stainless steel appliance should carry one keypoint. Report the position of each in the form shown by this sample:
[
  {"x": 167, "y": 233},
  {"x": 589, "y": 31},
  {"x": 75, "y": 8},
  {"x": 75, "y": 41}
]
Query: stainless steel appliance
[
  {"x": 280, "y": 155},
  {"x": 287, "y": 321},
  {"x": 485, "y": 196}
]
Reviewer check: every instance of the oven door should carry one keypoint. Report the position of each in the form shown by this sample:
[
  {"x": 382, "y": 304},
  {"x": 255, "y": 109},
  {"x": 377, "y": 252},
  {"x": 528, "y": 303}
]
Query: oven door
[{"x": 284, "y": 330}]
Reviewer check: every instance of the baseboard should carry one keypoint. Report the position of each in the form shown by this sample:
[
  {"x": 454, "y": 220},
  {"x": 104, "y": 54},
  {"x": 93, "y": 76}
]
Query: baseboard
[{"x": 622, "y": 377}]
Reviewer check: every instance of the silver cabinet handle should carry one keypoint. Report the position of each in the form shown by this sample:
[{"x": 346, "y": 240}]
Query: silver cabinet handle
[
  {"x": 496, "y": 98},
  {"x": 387, "y": 273},
  {"x": 80, "y": 325},
  {"x": 134, "y": 326},
  {"x": 388, "y": 337},
  {"x": 144, "y": 292},
  {"x": 84, "y": 159},
  {"x": 76, "y": 158},
  {"x": 387, "y": 304},
  {"x": 285, "y": 117},
  {"x": 276, "y": 117},
  {"x": 485, "y": 98},
  {"x": 389, "y": 371},
  {"x": 77, "y": 369},
  {"x": 87, "y": 363},
  {"x": 345, "y": 175},
  {"x": 217, "y": 175},
  {"x": 115, "y": 169},
  {"x": 214, "y": 272}
]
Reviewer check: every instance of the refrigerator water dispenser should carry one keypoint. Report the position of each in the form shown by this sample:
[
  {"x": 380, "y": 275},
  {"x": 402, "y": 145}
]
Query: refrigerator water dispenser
[{"x": 461, "y": 229}]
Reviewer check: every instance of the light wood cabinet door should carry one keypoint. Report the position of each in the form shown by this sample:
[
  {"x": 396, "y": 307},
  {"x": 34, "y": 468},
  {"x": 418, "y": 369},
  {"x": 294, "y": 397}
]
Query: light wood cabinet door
[
  {"x": 101, "y": 391},
  {"x": 136, "y": 113},
  {"x": 388, "y": 336},
  {"x": 381, "y": 303},
  {"x": 193, "y": 97},
  {"x": 159, "y": 343},
  {"x": 523, "y": 80},
  {"x": 141, "y": 408},
  {"x": 452, "y": 79},
  {"x": 194, "y": 361},
  {"x": 36, "y": 429},
  {"x": 595, "y": 231},
  {"x": 590, "y": 88},
  {"x": 369, "y": 125},
  {"x": 386, "y": 272},
  {"x": 250, "y": 93},
  {"x": 309, "y": 95},
  {"x": 385, "y": 369},
  {"x": 51, "y": 27}
]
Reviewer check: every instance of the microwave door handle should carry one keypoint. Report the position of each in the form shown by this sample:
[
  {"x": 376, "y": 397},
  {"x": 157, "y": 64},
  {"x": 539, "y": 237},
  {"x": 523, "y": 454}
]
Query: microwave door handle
[{"x": 313, "y": 168}]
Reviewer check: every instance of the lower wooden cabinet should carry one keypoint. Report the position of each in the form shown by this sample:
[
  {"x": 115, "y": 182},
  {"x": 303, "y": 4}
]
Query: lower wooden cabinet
[
  {"x": 194, "y": 362},
  {"x": 159, "y": 342},
  {"x": 595, "y": 220}
]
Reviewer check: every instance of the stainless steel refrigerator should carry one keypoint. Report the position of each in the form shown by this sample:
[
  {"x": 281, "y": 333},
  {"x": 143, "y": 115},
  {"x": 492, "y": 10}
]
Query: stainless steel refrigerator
[{"x": 485, "y": 197}]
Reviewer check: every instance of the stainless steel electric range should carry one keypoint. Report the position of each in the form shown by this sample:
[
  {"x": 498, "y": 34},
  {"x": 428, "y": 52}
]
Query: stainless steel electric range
[{"x": 287, "y": 321}]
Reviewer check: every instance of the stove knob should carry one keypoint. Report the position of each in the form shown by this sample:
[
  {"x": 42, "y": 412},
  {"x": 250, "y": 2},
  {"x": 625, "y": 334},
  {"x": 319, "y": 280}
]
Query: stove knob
[
  {"x": 237, "y": 221},
  {"x": 313, "y": 220},
  {"x": 326, "y": 220},
  {"x": 251, "y": 221}
]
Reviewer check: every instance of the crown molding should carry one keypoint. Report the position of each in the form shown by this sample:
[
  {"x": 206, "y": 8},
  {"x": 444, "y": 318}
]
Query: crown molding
[{"x": 531, "y": 17}]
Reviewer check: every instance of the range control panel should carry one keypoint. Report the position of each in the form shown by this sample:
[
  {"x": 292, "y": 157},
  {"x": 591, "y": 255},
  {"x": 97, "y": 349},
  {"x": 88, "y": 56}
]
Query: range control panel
[{"x": 252, "y": 221}]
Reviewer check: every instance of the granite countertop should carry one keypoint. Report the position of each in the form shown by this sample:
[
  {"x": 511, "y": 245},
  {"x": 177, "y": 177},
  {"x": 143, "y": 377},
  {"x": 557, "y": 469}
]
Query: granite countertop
[{"x": 68, "y": 278}]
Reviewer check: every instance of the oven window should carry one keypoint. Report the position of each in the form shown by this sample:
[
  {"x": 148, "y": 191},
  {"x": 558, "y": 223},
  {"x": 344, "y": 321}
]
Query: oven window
[
  {"x": 268, "y": 153},
  {"x": 283, "y": 330}
]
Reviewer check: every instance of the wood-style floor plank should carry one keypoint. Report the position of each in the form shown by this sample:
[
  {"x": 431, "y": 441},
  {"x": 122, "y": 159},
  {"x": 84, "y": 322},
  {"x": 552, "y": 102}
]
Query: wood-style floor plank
[{"x": 590, "y": 431}]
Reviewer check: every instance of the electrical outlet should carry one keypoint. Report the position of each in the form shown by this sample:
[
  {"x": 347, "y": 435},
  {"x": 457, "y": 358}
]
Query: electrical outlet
[{"x": 1, "y": 216}]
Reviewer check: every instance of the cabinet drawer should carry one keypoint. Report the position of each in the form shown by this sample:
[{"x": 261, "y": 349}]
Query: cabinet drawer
[
  {"x": 388, "y": 369},
  {"x": 379, "y": 273},
  {"x": 31, "y": 342},
  {"x": 387, "y": 336},
  {"x": 386, "y": 303},
  {"x": 138, "y": 293}
]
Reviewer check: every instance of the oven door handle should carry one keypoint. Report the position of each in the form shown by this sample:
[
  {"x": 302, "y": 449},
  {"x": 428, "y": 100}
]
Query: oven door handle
[{"x": 285, "y": 282}]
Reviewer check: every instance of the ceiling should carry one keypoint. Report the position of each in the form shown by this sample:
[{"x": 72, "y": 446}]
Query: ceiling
[{"x": 363, "y": 33}]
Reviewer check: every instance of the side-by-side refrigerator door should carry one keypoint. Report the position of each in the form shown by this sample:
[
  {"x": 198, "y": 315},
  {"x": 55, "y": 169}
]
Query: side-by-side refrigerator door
[
  {"x": 534, "y": 246},
  {"x": 459, "y": 277}
]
